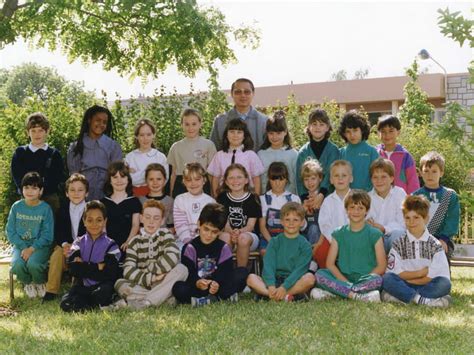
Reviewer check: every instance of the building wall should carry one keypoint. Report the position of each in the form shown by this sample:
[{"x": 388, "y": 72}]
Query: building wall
[{"x": 461, "y": 91}]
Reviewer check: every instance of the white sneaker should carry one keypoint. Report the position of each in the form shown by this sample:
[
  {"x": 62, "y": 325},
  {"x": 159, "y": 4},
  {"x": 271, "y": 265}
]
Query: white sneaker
[
  {"x": 247, "y": 290},
  {"x": 435, "y": 302},
  {"x": 139, "y": 304},
  {"x": 387, "y": 297},
  {"x": 320, "y": 294},
  {"x": 40, "y": 289},
  {"x": 372, "y": 296},
  {"x": 30, "y": 291}
]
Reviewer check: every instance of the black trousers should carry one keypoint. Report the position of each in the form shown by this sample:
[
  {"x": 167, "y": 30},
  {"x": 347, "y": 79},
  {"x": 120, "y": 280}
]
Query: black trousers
[
  {"x": 183, "y": 290},
  {"x": 82, "y": 298}
]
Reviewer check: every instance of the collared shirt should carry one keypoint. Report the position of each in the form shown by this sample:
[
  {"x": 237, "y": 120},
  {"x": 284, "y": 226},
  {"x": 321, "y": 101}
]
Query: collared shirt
[
  {"x": 75, "y": 212},
  {"x": 411, "y": 254},
  {"x": 34, "y": 148},
  {"x": 388, "y": 211},
  {"x": 332, "y": 215}
]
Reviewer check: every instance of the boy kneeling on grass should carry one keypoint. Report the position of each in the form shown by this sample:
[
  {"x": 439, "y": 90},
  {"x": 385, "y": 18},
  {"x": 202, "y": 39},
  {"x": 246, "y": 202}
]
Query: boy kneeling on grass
[
  {"x": 94, "y": 262},
  {"x": 212, "y": 276},
  {"x": 356, "y": 258},
  {"x": 285, "y": 274},
  {"x": 152, "y": 265},
  {"x": 417, "y": 270}
]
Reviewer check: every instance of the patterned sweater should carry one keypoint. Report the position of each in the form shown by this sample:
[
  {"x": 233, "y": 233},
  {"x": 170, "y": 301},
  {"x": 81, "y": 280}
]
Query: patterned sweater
[{"x": 149, "y": 255}]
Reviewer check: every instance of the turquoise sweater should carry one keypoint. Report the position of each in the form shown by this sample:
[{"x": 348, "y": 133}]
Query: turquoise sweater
[
  {"x": 329, "y": 155},
  {"x": 286, "y": 257},
  {"x": 30, "y": 225},
  {"x": 360, "y": 155}
]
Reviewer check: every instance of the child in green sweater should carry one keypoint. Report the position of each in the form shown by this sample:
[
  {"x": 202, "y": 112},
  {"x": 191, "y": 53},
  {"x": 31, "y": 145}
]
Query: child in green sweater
[{"x": 285, "y": 264}]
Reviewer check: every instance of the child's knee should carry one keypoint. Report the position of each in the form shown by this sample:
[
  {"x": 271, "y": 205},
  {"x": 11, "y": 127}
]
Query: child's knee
[
  {"x": 308, "y": 279},
  {"x": 252, "y": 279},
  {"x": 245, "y": 240}
]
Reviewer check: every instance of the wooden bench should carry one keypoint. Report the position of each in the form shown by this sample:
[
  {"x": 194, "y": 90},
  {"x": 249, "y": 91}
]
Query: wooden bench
[
  {"x": 11, "y": 280},
  {"x": 254, "y": 260},
  {"x": 462, "y": 261}
]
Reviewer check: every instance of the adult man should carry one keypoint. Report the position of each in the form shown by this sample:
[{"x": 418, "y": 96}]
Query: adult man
[{"x": 242, "y": 92}]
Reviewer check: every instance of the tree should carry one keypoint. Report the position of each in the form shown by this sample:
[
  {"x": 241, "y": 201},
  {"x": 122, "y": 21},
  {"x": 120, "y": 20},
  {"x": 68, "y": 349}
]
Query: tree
[
  {"x": 361, "y": 73},
  {"x": 136, "y": 37},
  {"x": 416, "y": 108},
  {"x": 339, "y": 75}
]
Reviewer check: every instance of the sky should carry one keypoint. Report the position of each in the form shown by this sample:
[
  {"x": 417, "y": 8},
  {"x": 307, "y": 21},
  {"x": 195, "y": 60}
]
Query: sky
[{"x": 301, "y": 42}]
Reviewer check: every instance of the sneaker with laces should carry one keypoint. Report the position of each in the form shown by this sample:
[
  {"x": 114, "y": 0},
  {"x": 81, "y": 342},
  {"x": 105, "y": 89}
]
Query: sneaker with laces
[
  {"x": 203, "y": 301},
  {"x": 320, "y": 294},
  {"x": 121, "y": 303},
  {"x": 387, "y": 297},
  {"x": 435, "y": 302},
  {"x": 372, "y": 296},
  {"x": 30, "y": 291},
  {"x": 40, "y": 290},
  {"x": 48, "y": 296}
]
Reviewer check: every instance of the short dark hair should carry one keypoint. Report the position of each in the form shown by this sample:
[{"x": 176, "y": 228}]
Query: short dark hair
[
  {"x": 155, "y": 167},
  {"x": 94, "y": 205},
  {"x": 353, "y": 119},
  {"x": 114, "y": 168},
  {"x": 416, "y": 203},
  {"x": 277, "y": 170},
  {"x": 319, "y": 115},
  {"x": 213, "y": 214},
  {"x": 432, "y": 158},
  {"x": 77, "y": 177},
  {"x": 357, "y": 197},
  {"x": 388, "y": 121},
  {"x": 37, "y": 119},
  {"x": 242, "y": 80},
  {"x": 32, "y": 179},
  {"x": 238, "y": 125},
  {"x": 277, "y": 123}
]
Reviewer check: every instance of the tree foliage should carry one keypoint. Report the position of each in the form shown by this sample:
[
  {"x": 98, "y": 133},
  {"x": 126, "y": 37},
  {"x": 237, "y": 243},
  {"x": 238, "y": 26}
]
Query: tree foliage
[
  {"x": 416, "y": 107},
  {"x": 139, "y": 37}
]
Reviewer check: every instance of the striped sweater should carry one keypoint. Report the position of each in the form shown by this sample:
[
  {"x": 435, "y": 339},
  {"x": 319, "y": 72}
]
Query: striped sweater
[{"x": 149, "y": 255}]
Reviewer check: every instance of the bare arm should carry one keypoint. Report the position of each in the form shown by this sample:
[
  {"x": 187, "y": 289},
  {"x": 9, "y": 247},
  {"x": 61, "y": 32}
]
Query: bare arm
[
  {"x": 172, "y": 180},
  {"x": 250, "y": 225},
  {"x": 381, "y": 258},
  {"x": 133, "y": 231},
  {"x": 214, "y": 185},
  {"x": 413, "y": 275},
  {"x": 331, "y": 261},
  {"x": 263, "y": 228},
  {"x": 257, "y": 184}
]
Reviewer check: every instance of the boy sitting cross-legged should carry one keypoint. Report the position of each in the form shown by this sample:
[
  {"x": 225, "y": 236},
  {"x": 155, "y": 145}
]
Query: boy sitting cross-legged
[
  {"x": 285, "y": 264},
  {"x": 417, "y": 268},
  {"x": 356, "y": 258},
  {"x": 152, "y": 265},
  {"x": 209, "y": 261}
]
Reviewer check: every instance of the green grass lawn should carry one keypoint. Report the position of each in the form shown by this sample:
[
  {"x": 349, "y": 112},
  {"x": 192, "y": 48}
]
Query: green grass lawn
[{"x": 333, "y": 326}]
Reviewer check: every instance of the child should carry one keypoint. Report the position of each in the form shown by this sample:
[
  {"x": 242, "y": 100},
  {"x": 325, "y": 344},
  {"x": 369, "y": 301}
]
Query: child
[
  {"x": 237, "y": 148},
  {"x": 144, "y": 155},
  {"x": 67, "y": 228},
  {"x": 277, "y": 147},
  {"x": 188, "y": 206},
  {"x": 319, "y": 147},
  {"x": 386, "y": 202},
  {"x": 151, "y": 266},
  {"x": 355, "y": 130},
  {"x": 209, "y": 261},
  {"x": 272, "y": 201},
  {"x": 192, "y": 148},
  {"x": 417, "y": 270},
  {"x": 406, "y": 176},
  {"x": 155, "y": 177},
  {"x": 356, "y": 258},
  {"x": 29, "y": 229},
  {"x": 93, "y": 261},
  {"x": 38, "y": 156},
  {"x": 243, "y": 210},
  {"x": 123, "y": 209},
  {"x": 332, "y": 214},
  {"x": 285, "y": 264},
  {"x": 94, "y": 149},
  {"x": 312, "y": 175},
  {"x": 444, "y": 203}
]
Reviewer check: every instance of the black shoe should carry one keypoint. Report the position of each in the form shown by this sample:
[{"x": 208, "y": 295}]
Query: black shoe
[
  {"x": 300, "y": 297},
  {"x": 48, "y": 296}
]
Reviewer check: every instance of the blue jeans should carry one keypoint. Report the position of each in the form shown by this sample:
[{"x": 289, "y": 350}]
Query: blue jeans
[
  {"x": 389, "y": 238},
  {"x": 404, "y": 291}
]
